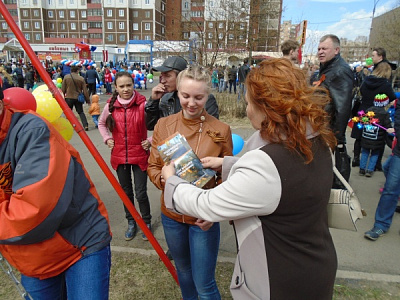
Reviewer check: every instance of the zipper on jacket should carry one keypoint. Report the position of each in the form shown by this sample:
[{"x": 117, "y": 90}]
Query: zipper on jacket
[
  {"x": 200, "y": 131},
  {"x": 126, "y": 138}
]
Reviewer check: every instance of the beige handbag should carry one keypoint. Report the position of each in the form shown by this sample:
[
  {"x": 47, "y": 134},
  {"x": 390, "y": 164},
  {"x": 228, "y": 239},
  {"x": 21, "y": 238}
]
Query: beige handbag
[{"x": 344, "y": 208}]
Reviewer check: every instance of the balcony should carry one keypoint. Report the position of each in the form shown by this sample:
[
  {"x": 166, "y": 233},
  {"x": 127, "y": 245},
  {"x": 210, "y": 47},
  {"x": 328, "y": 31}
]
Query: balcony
[
  {"x": 95, "y": 30},
  {"x": 93, "y": 5},
  {"x": 94, "y": 18}
]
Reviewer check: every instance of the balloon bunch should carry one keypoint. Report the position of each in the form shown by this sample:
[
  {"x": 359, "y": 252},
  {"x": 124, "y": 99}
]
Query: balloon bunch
[
  {"x": 150, "y": 77},
  {"x": 58, "y": 83},
  {"x": 43, "y": 103},
  {"x": 366, "y": 119}
]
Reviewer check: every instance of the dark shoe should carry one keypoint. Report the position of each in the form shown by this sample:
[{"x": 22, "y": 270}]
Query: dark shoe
[
  {"x": 86, "y": 128},
  {"x": 144, "y": 237},
  {"x": 355, "y": 162},
  {"x": 369, "y": 173},
  {"x": 362, "y": 172},
  {"x": 378, "y": 168},
  {"x": 374, "y": 234},
  {"x": 131, "y": 231},
  {"x": 397, "y": 209},
  {"x": 168, "y": 253}
]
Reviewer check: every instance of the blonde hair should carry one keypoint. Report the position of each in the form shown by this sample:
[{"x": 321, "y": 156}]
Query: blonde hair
[
  {"x": 382, "y": 70},
  {"x": 197, "y": 73}
]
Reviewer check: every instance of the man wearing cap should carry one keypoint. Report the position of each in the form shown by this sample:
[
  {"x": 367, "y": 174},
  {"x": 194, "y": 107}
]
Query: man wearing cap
[
  {"x": 54, "y": 229},
  {"x": 164, "y": 99}
]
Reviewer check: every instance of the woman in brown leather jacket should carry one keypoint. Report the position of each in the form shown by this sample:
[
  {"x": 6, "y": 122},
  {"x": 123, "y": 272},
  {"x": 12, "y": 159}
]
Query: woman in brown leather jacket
[{"x": 193, "y": 243}]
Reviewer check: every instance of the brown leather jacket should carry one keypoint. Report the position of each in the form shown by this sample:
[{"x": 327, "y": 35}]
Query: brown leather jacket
[{"x": 206, "y": 135}]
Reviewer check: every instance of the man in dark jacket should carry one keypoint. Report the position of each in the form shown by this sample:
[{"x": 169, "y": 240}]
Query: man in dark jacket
[
  {"x": 336, "y": 75},
  {"x": 91, "y": 78},
  {"x": 232, "y": 79},
  {"x": 242, "y": 74},
  {"x": 164, "y": 99}
]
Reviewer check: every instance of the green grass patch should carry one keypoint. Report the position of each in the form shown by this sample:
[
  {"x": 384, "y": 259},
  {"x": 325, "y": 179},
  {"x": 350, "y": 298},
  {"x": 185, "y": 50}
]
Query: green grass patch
[{"x": 136, "y": 276}]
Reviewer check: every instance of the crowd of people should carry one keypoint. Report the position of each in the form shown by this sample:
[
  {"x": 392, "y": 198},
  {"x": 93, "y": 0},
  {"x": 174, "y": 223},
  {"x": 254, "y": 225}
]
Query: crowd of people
[{"x": 300, "y": 118}]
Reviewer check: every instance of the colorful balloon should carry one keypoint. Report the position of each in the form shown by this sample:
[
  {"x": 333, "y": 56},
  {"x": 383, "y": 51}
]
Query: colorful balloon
[
  {"x": 59, "y": 85},
  {"x": 238, "y": 143},
  {"x": 47, "y": 105},
  {"x": 149, "y": 76},
  {"x": 19, "y": 98},
  {"x": 59, "y": 80},
  {"x": 64, "y": 127},
  {"x": 151, "y": 80}
]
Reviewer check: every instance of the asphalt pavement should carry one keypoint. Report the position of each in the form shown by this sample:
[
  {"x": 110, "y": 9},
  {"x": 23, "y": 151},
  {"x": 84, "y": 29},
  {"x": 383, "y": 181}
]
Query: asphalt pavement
[{"x": 358, "y": 257}]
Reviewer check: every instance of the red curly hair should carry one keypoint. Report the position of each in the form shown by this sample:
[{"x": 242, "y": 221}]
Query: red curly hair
[{"x": 280, "y": 90}]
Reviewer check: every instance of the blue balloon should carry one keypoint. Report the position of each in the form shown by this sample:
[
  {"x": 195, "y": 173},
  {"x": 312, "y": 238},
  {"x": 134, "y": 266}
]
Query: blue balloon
[
  {"x": 98, "y": 86},
  {"x": 101, "y": 83},
  {"x": 238, "y": 143},
  {"x": 397, "y": 95}
]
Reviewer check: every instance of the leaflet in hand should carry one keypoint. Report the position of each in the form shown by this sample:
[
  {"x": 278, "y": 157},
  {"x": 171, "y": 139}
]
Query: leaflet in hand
[{"x": 187, "y": 164}]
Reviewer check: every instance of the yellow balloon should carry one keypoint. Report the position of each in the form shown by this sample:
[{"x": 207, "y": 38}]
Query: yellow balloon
[
  {"x": 46, "y": 105},
  {"x": 59, "y": 80},
  {"x": 64, "y": 127}
]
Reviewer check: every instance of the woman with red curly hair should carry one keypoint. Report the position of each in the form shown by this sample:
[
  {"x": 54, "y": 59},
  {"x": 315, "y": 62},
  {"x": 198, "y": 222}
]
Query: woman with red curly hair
[{"x": 276, "y": 193}]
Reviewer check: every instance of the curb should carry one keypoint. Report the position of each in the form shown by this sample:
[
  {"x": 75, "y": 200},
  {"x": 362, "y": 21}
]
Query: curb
[{"x": 342, "y": 274}]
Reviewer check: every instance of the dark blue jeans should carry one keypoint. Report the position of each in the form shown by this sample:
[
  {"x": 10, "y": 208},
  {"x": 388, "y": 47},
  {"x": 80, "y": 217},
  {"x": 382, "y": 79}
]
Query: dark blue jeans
[
  {"x": 124, "y": 173},
  {"x": 373, "y": 158},
  {"x": 390, "y": 194},
  {"x": 87, "y": 279},
  {"x": 79, "y": 109},
  {"x": 195, "y": 254}
]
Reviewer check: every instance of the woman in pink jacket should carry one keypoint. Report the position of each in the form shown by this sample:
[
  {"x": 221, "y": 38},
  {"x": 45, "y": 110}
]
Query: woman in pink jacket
[{"x": 122, "y": 126}]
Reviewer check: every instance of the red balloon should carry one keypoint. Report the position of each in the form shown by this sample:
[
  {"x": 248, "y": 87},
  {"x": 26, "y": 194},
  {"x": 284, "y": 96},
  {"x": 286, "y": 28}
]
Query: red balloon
[{"x": 19, "y": 98}]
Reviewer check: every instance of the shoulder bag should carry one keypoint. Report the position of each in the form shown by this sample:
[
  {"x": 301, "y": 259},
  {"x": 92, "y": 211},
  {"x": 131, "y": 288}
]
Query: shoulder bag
[
  {"x": 81, "y": 96},
  {"x": 344, "y": 208}
]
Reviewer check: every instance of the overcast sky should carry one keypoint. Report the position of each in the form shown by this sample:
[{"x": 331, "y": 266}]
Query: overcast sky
[{"x": 344, "y": 18}]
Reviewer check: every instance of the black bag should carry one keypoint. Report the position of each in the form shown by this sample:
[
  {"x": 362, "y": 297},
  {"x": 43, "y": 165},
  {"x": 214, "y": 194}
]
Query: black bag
[
  {"x": 357, "y": 99},
  {"x": 342, "y": 162}
]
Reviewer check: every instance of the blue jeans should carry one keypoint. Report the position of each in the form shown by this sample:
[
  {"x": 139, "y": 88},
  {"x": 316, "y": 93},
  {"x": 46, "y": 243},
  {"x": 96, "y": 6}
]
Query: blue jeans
[
  {"x": 390, "y": 194},
  {"x": 195, "y": 254},
  {"x": 232, "y": 83},
  {"x": 124, "y": 173},
  {"x": 87, "y": 279},
  {"x": 29, "y": 86},
  {"x": 221, "y": 85},
  {"x": 95, "y": 119},
  {"x": 365, "y": 153},
  {"x": 242, "y": 90}
]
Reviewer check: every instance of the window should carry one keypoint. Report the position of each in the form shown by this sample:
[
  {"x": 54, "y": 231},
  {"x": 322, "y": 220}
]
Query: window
[
  {"x": 37, "y": 25},
  {"x": 26, "y": 25},
  {"x": 110, "y": 37},
  {"x": 27, "y": 36},
  {"x": 62, "y": 26},
  {"x": 135, "y": 26},
  {"x": 230, "y": 36},
  {"x": 162, "y": 6},
  {"x": 135, "y": 14},
  {"x": 4, "y": 25},
  {"x": 60, "y": 2},
  {"x": 241, "y": 37},
  {"x": 185, "y": 35},
  {"x": 72, "y": 13},
  {"x": 52, "y": 26},
  {"x": 241, "y": 26},
  {"x": 220, "y": 36},
  {"x": 71, "y": 2},
  {"x": 62, "y": 36},
  {"x": 23, "y": 2},
  {"x": 109, "y": 25},
  {"x": 83, "y": 13},
  {"x": 61, "y": 14},
  {"x": 135, "y": 37},
  {"x": 186, "y": 5},
  {"x": 121, "y": 13},
  {"x": 146, "y": 2},
  {"x": 147, "y": 14},
  {"x": 50, "y": 2},
  {"x": 36, "y": 13},
  {"x": 121, "y": 25},
  {"x": 146, "y": 26},
  {"x": 109, "y": 12},
  {"x": 34, "y": 2},
  {"x": 73, "y": 26},
  {"x": 108, "y": 2},
  {"x": 220, "y": 25},
  {"x": 147, "y": 37},
  {"x": 52, "y": 35},
  {"x": 134, "y": 2},
  {"x": 50, "y": 14},
  {"x": 84, "y": 26},
  {"x": 25, "y": 13},
  {"x": 210, "y": 35},
  {"x": 38, "y": 36},
  {"x": 73, "y": 36},
  {"x": 210, "y": 25},
  {"x": 122, "y": 38},
  {"x": 209, "y": 45}
]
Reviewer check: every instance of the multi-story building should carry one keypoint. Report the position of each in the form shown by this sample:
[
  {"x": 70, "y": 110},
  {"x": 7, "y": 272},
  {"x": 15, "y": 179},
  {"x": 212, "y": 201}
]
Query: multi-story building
[
  {"x": 287, "y": 32},
  {"x": 354, "y": 51},
  {"x": 128, "y": 28}
]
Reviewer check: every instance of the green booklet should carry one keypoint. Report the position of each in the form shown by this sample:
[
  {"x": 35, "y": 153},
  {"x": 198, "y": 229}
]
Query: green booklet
[{"x": 187, "y": 165}]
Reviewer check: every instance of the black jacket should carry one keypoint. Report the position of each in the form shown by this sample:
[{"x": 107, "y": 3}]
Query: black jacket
[
  {"x": 169, "y": 104},
  {"x": 396, "y": 149},
  {"x": 374, "y": 137},
  {"x": 339, "y": 82}
]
